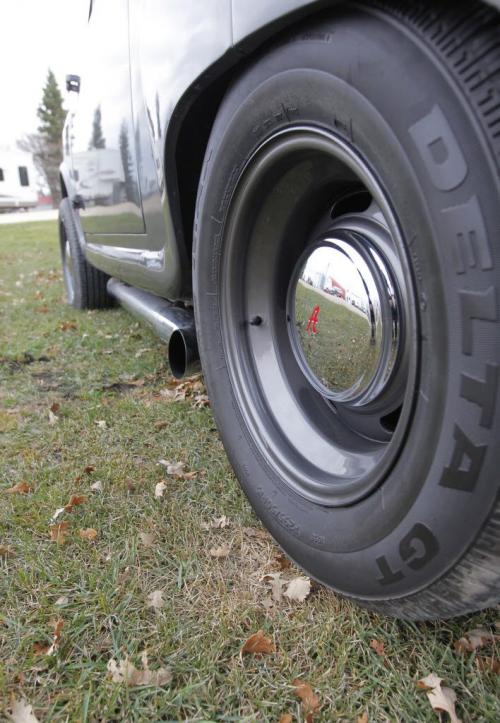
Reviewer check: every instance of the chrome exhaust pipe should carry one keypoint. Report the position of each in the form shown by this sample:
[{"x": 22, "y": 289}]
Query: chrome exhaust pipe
[{"x": 173, "y": 324}]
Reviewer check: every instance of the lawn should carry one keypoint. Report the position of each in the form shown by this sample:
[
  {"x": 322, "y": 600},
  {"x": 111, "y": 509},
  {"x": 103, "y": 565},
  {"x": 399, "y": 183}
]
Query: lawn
[{"x": 168, "y": 560}]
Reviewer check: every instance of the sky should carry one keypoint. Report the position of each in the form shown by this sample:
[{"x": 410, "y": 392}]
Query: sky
[{"x": 35, "y": 35}]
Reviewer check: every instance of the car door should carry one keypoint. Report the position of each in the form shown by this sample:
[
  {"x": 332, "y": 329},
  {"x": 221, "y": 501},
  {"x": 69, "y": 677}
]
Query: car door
[{"x": 103, "y": 145}]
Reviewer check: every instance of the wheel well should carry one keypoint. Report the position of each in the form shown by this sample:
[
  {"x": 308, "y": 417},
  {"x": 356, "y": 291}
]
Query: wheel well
[
  {"x": 64, "y": 190},
  {"x": 189, "y": 139}
]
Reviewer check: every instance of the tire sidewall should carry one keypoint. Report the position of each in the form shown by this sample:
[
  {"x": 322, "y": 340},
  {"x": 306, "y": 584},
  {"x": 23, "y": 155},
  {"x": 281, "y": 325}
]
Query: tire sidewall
[{"x": 403, "y": 536}]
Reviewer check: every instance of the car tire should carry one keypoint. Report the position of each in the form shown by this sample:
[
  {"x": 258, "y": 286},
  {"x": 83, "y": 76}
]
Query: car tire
[
  {"x": 377, "y": 125},
  {"x": 85, "y": 285}
]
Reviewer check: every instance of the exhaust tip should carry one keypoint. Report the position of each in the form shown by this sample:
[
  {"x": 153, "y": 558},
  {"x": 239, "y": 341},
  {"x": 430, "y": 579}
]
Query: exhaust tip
[{"x": 183, "y": 354}]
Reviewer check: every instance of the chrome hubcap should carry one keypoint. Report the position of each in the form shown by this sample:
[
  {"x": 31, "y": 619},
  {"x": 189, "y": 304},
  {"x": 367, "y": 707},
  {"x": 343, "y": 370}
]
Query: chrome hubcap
[{"x": 345, "y": 318}]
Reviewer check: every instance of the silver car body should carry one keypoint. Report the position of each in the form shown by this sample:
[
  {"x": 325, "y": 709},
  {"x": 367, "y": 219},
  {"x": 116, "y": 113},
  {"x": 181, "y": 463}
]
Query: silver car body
[{"x": 155, "y": 73}]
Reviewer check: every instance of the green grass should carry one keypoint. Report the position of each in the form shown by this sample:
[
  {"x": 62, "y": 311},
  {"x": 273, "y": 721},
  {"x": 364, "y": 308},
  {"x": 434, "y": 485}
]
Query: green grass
[{"x": 212, "y": 605}]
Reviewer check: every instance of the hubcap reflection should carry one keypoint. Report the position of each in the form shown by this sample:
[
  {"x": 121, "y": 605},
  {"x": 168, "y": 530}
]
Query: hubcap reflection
[{"x": 345, "y": 318}]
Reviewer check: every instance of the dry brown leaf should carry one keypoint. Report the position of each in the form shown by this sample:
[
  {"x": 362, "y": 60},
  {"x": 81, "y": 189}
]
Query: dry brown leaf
[
  {"x": 147, "y": 538},
  {"x": 176, "y": 469},
  {"x": 273, "y": 579},
  {"x": 283, "y": 561},
  {"x": 473, "y": 640},
  {"x": 41, "y": 649},
  {"x": 125, "y": 672},
  {"x": 310, "y": 701},
  {"x": 155, "y": 600},
  {"x": 53, "y": 418},
  {"x": 298, "y": 589},
  {"x": 258, "y": 644},
  {"x": 218, "y": 523},
  {"x": 58, "y": 532},
  {"x": 6, "y": 551},
  {"x": 88, "y": 534},
  {"x": 220, "y": 551},
  {"x": 67, "y": 325},
  {"x": 89, "y": 469},
  {"x": 200, "y": 401},
  {"x": 363, "y": 718},
  {"x": 488, "y": 664},
  {"x": 286, "y": 718},
  {"x": 378, "y": 647},
  {"x": 55, "y": 407},
  {"x": 161, "y": 425},
  {"x": 22, "y": 488},
  {"x": 21, "y": 712},
  {"x": 441, "y": 699},
  {"x": 160, "y": 488},
  {"x": 75, "y": 501}
]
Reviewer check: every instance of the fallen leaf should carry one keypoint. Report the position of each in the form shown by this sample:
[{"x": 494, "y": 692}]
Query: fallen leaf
[
  {"x": 160, "y": 488},
  {"x": 22, "y": 488},
  {"x": 97, "y": 486},
  {"x": 57, "y": 514},
  {"x": 6, "y": 551},
  {"x": 286, "y": 718},
  {"x": 41, "y": 649},
  {"x": 310, "y": 701},
  {"x": 363, "y": 718},
  {"x": 101, "y": 423},
  {"x": 53, "y": 418},
  {"x": 161, "y": 425},
  {"x": 441, "y": 699},
  {"x": 276, "y": 584},
  {"x": 220, "y": 551},
  {"x": 67, "y": 325},
  {"x": 155, "y": 600},
  {"x": 55, "y": 407},
  {"x": 21, "y": 712},
  {"x": 488, "y": 664},
  {"x": 473, "y": 640},
  {"x": 75, "y": 501},
  {"x": 89, "y": 469},
  {"x": 125, "y": 672},
  {"x": 89, "y": 534},
  {"x": 147, "y": 538},
  {"x": 176, "y": 469},
  {"x": 298, "y": 589},
  {"x": 283, "y": 561},
  {"x": 200, "y": 401},
  {"x": 258, "y": 644},
  {"x": 218, "y": 523},
  {"x": 378, "y": 647},
  {"x": 61, "y": 601},
  {"x": 58, "y": 532}
]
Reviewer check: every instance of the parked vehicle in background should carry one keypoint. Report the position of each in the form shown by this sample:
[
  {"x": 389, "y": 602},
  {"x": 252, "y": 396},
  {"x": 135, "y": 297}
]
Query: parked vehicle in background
[
  {"x": 17, "y": 181},
  {"x": 224, "y": 159}
]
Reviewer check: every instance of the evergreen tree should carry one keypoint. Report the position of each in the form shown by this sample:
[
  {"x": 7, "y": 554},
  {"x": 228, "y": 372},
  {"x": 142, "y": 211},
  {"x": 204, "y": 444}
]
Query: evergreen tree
[
  {"x": 51, "y": 112},
  {"x": 97, "y": 140},
  {"x": 46, "y": 145}
]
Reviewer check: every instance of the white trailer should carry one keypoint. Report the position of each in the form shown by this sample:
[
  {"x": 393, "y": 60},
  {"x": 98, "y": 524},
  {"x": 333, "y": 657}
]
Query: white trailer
[{"x": 17, "y": 181}]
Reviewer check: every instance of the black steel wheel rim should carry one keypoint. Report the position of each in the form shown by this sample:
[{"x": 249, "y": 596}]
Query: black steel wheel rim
[{"x": 302, "y": 189}]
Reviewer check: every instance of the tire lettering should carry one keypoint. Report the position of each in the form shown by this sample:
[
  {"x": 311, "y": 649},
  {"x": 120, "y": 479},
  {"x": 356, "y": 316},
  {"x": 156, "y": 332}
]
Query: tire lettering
[
  {"x": 416, "y": 549},
  {"x": 482, "y": 392},
  {"x": 439, "y": 150},
  {"x": 466, "y": 462},
  {"x": 470, "y": 242},
  {"x": 476, "y": 305},
  {"x": 388, "y": 576}
]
